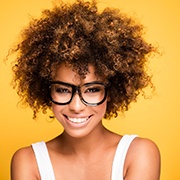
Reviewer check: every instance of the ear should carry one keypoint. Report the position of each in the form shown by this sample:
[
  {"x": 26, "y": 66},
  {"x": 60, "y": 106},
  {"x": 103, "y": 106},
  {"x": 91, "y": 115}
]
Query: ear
[{"x": 108, "y": 98}]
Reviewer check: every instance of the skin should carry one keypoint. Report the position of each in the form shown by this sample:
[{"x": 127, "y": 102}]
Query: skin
[{"x": 89, "y": 147}]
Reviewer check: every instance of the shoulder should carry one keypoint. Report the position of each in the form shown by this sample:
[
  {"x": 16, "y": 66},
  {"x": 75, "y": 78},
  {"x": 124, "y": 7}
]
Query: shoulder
[
  {"x": 143, "y": 160},
  {"x": 144, "y": 145},
  {"x": 23, "y": 164}
]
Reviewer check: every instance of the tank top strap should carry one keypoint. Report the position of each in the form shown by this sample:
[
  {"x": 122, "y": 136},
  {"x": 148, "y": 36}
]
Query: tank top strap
[
  {"x": 43, "y": 161},
  {"x": 120, "y": 155}
]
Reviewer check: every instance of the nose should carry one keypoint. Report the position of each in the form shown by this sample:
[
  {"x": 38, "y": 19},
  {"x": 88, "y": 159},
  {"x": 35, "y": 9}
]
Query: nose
[{"x": 76, "y": 104}]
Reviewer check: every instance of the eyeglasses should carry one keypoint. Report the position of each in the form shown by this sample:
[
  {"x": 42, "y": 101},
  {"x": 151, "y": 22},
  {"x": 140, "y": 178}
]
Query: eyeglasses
[{"x": 91, "y": 94}]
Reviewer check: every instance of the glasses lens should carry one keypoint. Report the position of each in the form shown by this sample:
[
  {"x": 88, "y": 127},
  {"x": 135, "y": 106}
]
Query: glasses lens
[
  {"x": 93, "y": 93},
  {"x": 61, "y": 93}
]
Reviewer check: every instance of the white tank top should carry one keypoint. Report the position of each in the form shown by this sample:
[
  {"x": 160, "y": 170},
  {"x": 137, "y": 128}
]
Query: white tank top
[{"x": 46, "y": 169}]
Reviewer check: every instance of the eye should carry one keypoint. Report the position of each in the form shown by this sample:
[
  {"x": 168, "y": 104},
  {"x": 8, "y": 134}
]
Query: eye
[
  {"x": 62, "y": 90},
  {"x": 94, "y": 89}
]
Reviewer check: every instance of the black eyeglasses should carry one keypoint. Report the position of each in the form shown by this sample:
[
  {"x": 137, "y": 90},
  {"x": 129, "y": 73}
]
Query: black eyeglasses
[{"x": 91, "y": 94}]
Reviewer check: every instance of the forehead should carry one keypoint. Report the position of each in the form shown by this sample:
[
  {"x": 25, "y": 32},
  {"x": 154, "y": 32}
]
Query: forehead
[{"x": 67, "y": 74}]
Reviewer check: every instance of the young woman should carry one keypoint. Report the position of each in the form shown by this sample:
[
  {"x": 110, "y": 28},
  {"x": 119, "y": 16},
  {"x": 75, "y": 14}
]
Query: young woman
[{"x": 85, "y": 66}]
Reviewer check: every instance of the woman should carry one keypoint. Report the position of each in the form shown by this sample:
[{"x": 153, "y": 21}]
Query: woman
[{"x": 85, "y": 66}]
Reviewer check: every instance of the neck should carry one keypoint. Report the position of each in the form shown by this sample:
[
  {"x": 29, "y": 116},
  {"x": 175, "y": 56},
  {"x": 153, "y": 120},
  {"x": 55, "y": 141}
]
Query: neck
[{"x": 87, "y": 144}]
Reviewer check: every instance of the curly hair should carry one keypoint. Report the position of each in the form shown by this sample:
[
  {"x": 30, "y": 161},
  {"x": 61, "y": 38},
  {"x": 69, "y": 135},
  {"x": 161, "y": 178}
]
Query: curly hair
[{"x": 79, "y": 35}]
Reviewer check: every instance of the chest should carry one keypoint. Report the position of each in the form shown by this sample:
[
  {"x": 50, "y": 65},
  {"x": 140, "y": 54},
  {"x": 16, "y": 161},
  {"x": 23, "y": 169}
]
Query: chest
[{"x": 83, "y": 168}]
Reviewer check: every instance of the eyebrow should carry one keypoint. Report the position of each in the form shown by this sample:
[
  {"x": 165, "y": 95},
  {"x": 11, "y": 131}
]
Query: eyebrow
[{"x": 70, "y": 84}]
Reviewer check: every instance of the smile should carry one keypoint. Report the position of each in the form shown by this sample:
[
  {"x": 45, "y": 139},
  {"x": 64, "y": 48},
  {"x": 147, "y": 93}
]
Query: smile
[{"x": 78, "y": 120}]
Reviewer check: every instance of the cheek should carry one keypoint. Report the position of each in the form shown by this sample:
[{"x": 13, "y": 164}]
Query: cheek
[
  {"x": 56, "y": 110},
  {"x": 101, "y": 109}
]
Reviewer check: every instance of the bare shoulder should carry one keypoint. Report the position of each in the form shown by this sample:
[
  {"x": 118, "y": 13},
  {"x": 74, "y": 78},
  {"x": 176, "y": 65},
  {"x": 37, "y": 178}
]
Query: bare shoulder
[
  {"x": 23, "y": 165},
  {"x": 145, "y": 146},
  {"x": 143, "y": 160}
]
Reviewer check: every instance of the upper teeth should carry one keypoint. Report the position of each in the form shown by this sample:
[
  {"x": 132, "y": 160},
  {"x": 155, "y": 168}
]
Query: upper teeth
[{"x": 78, "y": 120}]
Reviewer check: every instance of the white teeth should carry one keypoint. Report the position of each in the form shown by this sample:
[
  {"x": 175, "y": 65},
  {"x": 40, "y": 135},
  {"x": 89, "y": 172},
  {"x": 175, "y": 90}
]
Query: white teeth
[{"x": 78, "y": 120}]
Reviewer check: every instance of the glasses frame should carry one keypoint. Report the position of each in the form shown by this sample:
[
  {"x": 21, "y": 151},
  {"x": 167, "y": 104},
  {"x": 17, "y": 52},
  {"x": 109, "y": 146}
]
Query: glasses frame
[{"x": 77, "y": 89}]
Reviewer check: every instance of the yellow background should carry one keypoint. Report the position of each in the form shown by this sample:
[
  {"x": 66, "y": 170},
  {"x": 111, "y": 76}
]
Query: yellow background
[{"x": 157, "y": 119}]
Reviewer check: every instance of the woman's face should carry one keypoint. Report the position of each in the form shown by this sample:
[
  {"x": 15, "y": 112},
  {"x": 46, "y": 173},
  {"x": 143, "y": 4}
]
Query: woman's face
[{"x": 77, "y": 118}]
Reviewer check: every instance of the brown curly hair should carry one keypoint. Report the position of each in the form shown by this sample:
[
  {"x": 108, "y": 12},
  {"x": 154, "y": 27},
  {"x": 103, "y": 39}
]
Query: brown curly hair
[{"x": 79, "y": 35}]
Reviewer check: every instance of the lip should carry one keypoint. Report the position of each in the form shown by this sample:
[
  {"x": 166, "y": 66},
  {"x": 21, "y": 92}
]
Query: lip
[{"x": 78, "y": 122}]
